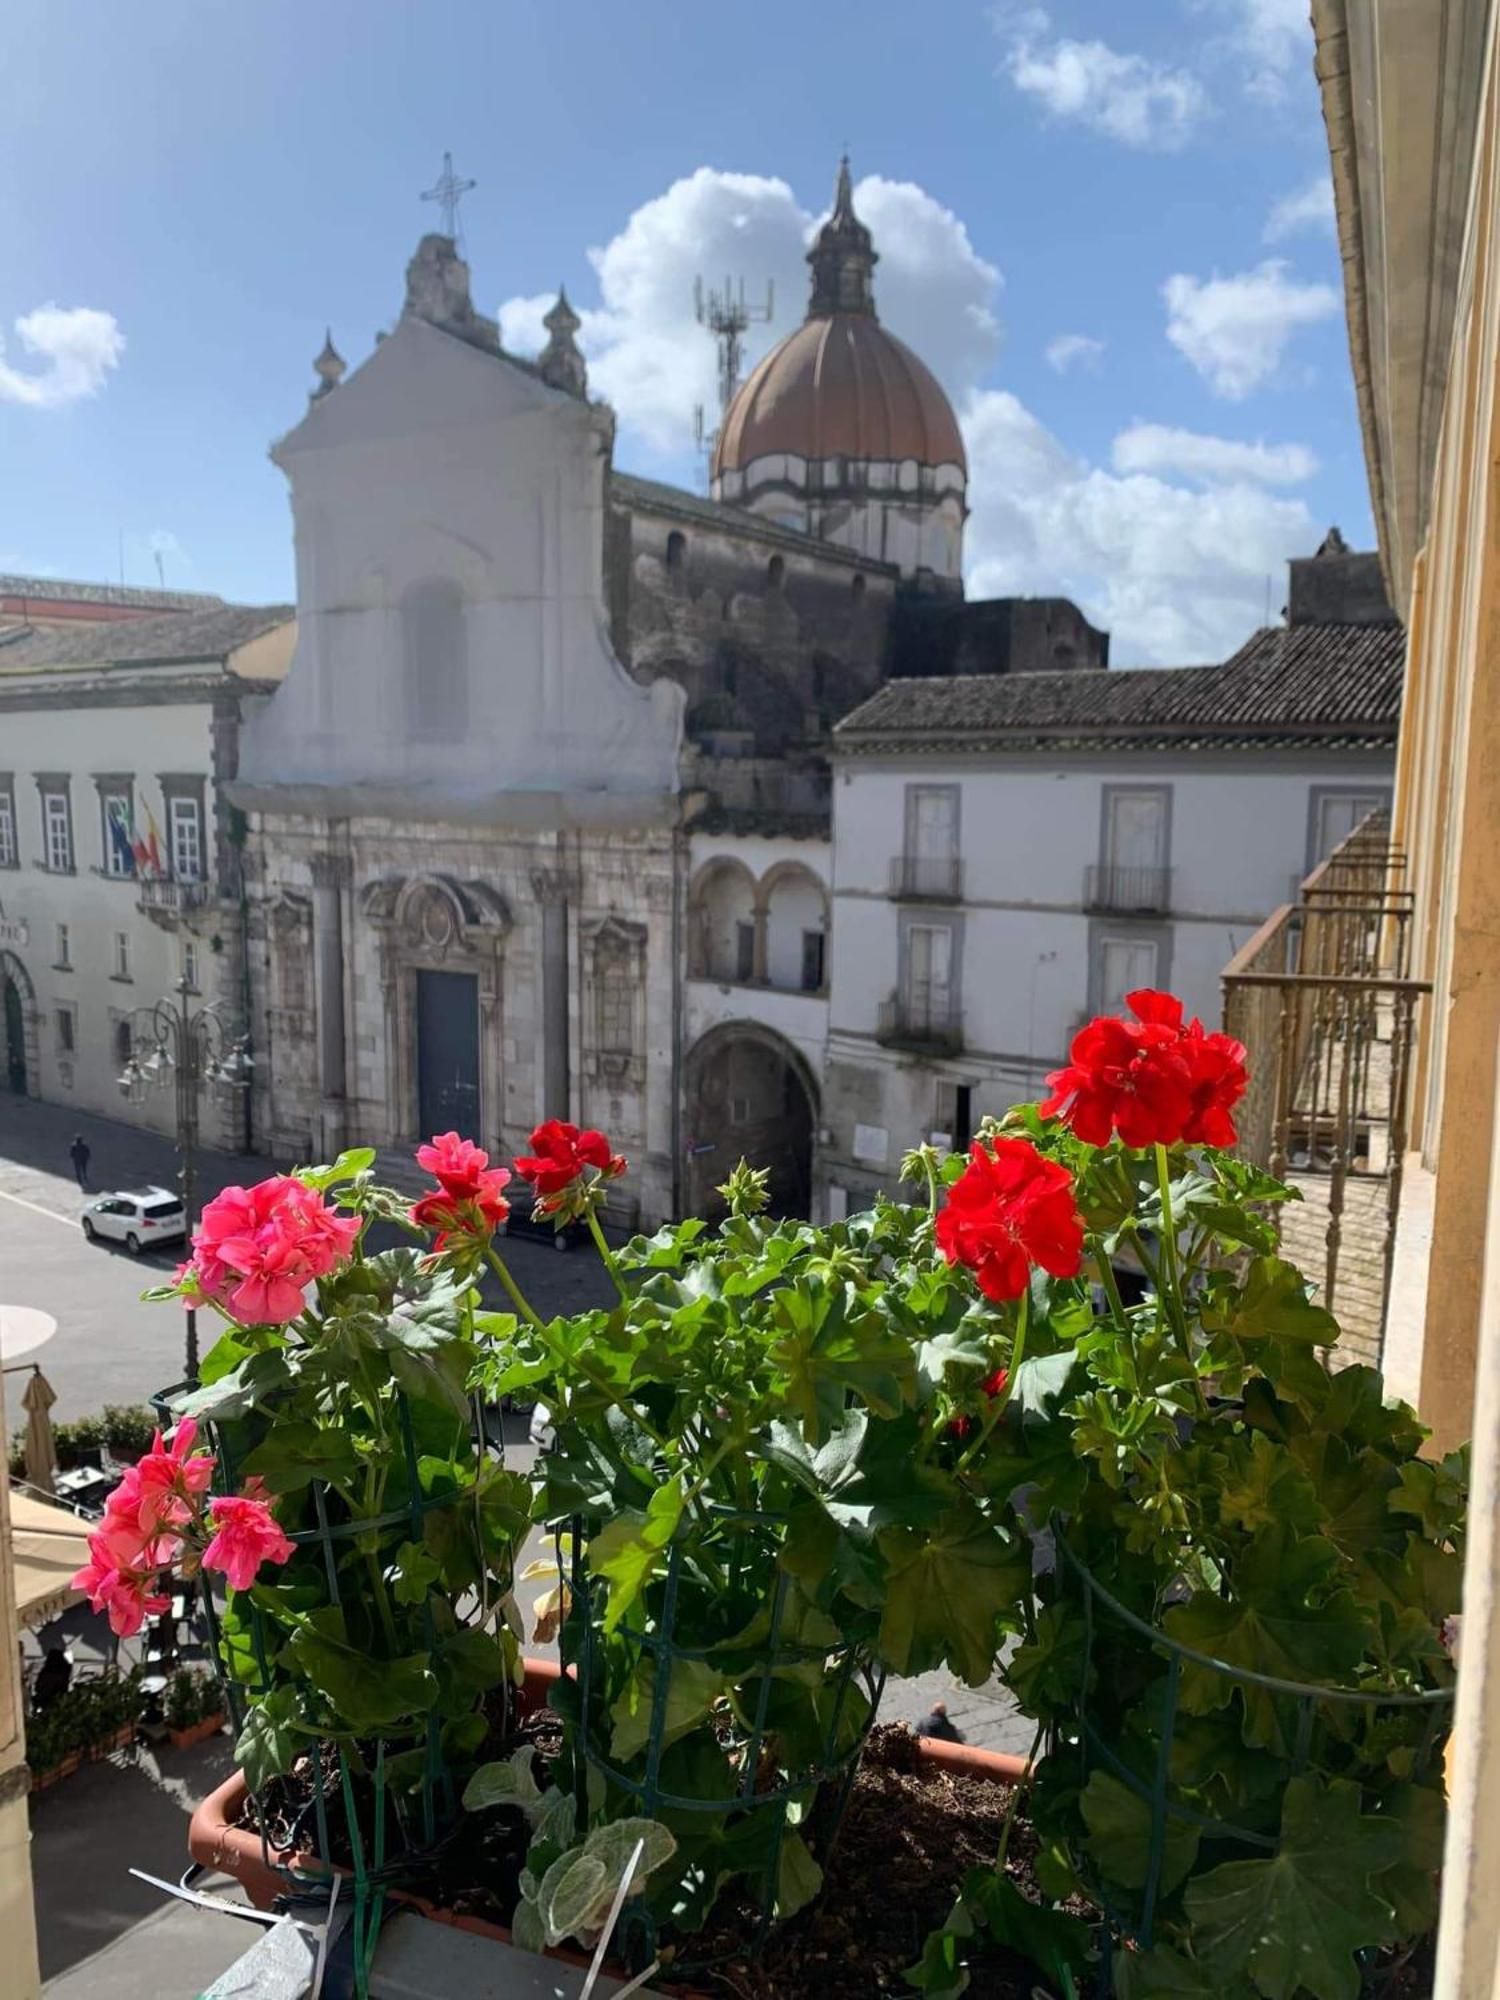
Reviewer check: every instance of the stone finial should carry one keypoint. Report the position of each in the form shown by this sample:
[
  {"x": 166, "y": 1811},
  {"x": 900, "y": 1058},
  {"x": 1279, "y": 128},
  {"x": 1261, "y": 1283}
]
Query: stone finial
[
  {"x": 437, "y": 283},
  {"x": 561, "y": 362},
  {"x": 330, "y": 367},
  {"x": 1334, "y": 544}
]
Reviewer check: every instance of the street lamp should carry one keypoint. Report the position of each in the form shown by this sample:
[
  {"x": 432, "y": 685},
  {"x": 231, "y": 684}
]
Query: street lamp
[{"x": 188, "y": 1047}]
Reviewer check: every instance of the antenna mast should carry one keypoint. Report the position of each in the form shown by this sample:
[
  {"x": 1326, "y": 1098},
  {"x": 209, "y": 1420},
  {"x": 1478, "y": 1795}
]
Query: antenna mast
[{"x": 727, "y": 318}]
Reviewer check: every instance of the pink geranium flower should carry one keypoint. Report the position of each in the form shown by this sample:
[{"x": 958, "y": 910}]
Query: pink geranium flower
[
  {"x": 170, "y": 1480},
  {"x": 126, "y": 1592},
  {"x": 247, "y": 1536},
  {"x": 455, "y": 1164},
  {"x": 256, "y": 1250}
]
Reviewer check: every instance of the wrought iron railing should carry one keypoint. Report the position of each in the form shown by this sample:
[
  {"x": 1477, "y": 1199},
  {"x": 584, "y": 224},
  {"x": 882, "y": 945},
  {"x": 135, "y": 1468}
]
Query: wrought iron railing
[
  {"x": 926, "y": 1018},
  {"x": 929, "y": 878},
  {"x": 1127, "y": 891},
  {"x": 1322, "y": 1000}
]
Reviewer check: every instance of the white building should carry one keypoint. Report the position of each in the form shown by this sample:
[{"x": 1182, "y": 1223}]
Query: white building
[
  {"x": 131, "y": 725},
  {"x": 1014, "y": 854}
]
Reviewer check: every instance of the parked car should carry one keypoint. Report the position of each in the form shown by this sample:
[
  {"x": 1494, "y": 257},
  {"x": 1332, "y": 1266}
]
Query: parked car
[{"x": 140, "y": 1218}]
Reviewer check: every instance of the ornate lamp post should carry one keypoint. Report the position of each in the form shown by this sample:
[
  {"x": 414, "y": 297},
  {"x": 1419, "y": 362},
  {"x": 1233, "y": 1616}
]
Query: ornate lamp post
[{"x": 187, "y": 1048}]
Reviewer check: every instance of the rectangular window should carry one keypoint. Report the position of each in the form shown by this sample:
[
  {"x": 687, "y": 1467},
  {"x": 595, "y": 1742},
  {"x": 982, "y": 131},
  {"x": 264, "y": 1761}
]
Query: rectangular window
[
  {"x": 124, "y": 1041},
  {"x": 63, "y": 961},
  {"x": 813, "y": 948},
  {"x": 1333, "y": 817},
  {"x": 121, "y": 955},
  {"x": 616, "y": 1008},
  {"x": 190, "y": 965},
  {"x": 744, "y": 952},
  {"x": 119, "y": 861},
  {"x": 927, "y": 988},
  {"x": 66, "y": 1038},
  {"x": 1135, "y": 827},
  {"x": 57, "y": 833},
  {"x": 185, "y": 838},
  {"x": 9, "y": 852},
  {"x": 930, "y": 850},
  {"x": 1125, "y": 963}
]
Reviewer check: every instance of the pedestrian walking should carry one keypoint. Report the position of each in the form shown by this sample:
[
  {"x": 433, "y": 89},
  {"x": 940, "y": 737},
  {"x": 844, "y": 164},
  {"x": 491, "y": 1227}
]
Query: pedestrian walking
[{"x": 78, "y": 1153}]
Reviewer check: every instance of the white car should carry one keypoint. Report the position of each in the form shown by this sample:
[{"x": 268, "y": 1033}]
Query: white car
[{"x": 141, "y": 1218}]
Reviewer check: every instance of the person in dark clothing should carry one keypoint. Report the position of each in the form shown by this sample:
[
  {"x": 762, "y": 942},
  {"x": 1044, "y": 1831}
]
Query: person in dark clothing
[
  {"x": 78, "y": 1153},
  {"x": 935, "y": 1723},
  {"x": 52, "y": 1680}
]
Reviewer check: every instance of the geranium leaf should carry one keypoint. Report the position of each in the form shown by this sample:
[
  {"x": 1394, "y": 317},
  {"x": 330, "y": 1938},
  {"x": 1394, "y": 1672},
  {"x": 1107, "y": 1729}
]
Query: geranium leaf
[
  {"x": 1055, "y": 1943},
  {"x": 296, "y": 1451},
  {"x": 1273, "y": 1302},
  {"x": 416, "y": 1572},
  {"x": 829, "y": 1355},
  {"x": 366, "y": 1694},
  {"x": 1259, "y": 1485},
  {"x": 630, "y": 1549},
  {"x": 799, "y": 1879},
  {"x": 268, "y": 1745},
  {"x": 1119, "y": 1836},
  {"x": 692, "y": 1690},
  {"x": 1411, "y": 1884},
  {"x": 946, "y": 1591},
  {"x": 1296, "y": 1921}
]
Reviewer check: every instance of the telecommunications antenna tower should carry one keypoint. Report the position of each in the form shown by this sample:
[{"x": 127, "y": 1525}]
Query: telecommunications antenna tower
[{"x": 727, "y": 318}]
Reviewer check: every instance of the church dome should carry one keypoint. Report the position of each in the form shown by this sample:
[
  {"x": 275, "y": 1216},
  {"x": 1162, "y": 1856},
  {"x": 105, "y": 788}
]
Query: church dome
[{"x": 841, "y": 385}]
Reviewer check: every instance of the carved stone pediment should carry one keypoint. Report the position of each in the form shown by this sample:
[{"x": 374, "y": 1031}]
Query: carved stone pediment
[{"x": 437, "y": 915}]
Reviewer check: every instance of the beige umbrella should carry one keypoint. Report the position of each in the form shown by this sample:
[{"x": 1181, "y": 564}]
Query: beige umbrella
[{"x": 40, "y": 1448}]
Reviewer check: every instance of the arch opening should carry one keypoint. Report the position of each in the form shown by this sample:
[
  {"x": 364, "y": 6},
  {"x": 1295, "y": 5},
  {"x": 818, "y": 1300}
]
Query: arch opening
[{"x": 749, "y": 1095}]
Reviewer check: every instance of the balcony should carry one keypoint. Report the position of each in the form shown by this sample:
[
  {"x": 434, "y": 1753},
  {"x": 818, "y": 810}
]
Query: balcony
[
  {"x": 1321, "y": 1000},
  {"x": 1127, "y": 892},
  {"x": 927, "y": 878},
  {"x": 166, "y": 902},
  {"x": 927, "y": 1021}
]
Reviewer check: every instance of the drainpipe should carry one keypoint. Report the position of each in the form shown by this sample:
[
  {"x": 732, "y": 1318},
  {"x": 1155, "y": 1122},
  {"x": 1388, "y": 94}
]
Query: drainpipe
[{"x": 679, "y": 969}]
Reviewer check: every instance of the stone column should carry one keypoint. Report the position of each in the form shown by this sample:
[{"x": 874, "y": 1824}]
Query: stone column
[
  {"x": 550, "y": 886},
  {"x": 330, "y": 872}
]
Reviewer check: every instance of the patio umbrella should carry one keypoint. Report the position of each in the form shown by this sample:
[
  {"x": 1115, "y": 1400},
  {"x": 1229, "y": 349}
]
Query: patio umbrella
[{"x": 40, "y": 1451}]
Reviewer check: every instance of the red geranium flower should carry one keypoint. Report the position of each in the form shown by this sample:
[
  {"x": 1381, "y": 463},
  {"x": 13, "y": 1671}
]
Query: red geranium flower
[
  {"x": 559, "y": 1153},
  {"x": 1154, "y": 1080},
  {"x": 1008, "y": 1210},
  {"x": 992, "y": 1385},
  {"x": 467, "y": 1200}
]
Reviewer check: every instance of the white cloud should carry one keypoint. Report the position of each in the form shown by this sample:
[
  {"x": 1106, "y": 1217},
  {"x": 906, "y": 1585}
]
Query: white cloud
[
  {"x": 72, "y": 351},
  {"x": 1310, "y": 207},
  {"x": 1276, "y": 39},
  {"x": 1066, "y": 348},
  {"x": 1234, "y": 330},
  {"x": 651, "y": 359},
  {"x": 1176, "y": 573},
  {"x": 1125, "y": 96},
  {"x": 1160, "y": 448}
]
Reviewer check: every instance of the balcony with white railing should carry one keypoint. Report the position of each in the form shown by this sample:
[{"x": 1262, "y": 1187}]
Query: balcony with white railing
[
  {"x": 1127, "y": 891},
  {"x": 927, "y": 878},
  {"x": 166, "y": 899}
]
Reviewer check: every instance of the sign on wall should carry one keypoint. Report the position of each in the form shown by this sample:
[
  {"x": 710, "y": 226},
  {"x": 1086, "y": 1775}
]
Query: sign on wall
[{"x": 14, "y": 930}]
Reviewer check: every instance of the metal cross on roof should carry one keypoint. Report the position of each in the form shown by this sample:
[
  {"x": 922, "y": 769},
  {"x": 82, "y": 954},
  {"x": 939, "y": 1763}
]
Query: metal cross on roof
[{"x": 448, "y": 192}]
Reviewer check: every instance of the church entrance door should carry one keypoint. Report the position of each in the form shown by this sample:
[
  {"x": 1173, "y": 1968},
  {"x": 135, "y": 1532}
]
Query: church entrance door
[
  {"x": 15, "y": 1038},
  {"x": 448, "y": 1053}
]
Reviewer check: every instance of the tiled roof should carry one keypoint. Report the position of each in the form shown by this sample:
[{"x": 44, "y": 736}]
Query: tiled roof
[
  {"x": 183, "y": 637},
  {"x": 1286, "y": 685},
  {"x": 59, "y": 590}
]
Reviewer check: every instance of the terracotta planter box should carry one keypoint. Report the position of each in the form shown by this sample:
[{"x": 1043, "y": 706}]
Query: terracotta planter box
[
  {"x": 196, "y": 1732},
  {"x": 217, "y": 1840}
]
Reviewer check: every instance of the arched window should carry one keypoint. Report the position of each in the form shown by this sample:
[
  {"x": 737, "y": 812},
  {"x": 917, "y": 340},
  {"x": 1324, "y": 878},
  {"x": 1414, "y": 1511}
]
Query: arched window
[
  {"x": 676, "y": 549},
  {"x": 435, "y": 657},
  {"x": 775, "y": 571},
  {"x": 124, "y": 1043}
]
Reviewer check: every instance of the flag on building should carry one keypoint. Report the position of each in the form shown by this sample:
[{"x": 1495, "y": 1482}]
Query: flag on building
[
  {"x": 127, "y": 849},
  {"x": 153, "y": 843}
]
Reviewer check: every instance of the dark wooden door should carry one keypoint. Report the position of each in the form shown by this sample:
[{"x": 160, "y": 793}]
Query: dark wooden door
[
  {"x": 15, "y": 1039},
  {"x": 448, "y": 1053}
]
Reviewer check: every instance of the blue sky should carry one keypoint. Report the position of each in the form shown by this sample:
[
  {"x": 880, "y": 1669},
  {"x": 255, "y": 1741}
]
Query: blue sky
[{"x": 1106, "y": 227}]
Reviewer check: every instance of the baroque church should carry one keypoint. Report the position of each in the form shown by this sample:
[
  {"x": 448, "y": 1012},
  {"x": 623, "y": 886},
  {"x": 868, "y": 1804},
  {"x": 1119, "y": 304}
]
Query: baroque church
[{"x": 538, "y": 820}]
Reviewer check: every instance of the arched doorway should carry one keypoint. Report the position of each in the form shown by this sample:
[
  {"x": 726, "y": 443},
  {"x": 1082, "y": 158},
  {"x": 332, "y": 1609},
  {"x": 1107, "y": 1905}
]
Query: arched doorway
[
  {"x": 750, "y": 1094},
  {"x": 18, "y": 1053}
]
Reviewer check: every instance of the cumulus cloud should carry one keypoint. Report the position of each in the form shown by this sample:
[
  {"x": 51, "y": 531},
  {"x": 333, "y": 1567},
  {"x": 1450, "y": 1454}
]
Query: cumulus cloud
[
  {"x": 1160, "y": 448},
  {"x": 1306, "y": 208},
  {"x": 70, "y": 349},
  {"x": 1125, "y": 96},
  {"x": 1065, "y": 350},
  {"x": 1235, "y": 330},
  {"x": 1176, "y": 573},
  {"x": 1275, "y": 39},
  {"x": 649, "y": 357}
]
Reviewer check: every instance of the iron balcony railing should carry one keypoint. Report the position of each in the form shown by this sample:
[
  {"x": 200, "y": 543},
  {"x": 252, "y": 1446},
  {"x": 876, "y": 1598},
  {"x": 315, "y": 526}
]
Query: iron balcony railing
[
  {"x": 928, "y": 878},
  {"x": 1321, "y": 998},
  {"x": 166, "y": 896},
  {"x": 926, "y": 1019},
  {"x": 1127, "y": 891}
]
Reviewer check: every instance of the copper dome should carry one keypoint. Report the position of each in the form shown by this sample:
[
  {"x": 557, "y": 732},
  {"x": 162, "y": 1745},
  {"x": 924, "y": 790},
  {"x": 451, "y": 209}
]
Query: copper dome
[{"x": 840, "y": 387}]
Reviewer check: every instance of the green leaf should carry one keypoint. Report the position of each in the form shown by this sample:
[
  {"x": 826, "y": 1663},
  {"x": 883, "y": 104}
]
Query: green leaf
[
  {"x": 1259, "y": 1484},
  {"x": 832, "y": 1351},
  {"x": 1046, "y": 1672},
  {"x": 1164, "y": 1974},
  {"x": 245, "y": 1386},
  {"x": 693, "y": 1689},
  {"x": 296, "y": 1451},
  {"x": 416, "y": 1573},
  {"x": 511, "y": 1783},
  {"x": 946, "y": 1592},
  {"x": 357, "y": 1160},
  {"x": 1273, "y": 1303},
  {"x": 267, "y": 1746},
  {"x": 572, "y": 1889},
  {"x": 1055, "y": 1943},
  {"x": 1119, "y": 1836},
  {"x": 799, "y": 1879},
  {"x": 366, "y": 1694},
  {"x": 630, "y": 1549},
  {"x": 1296, "y": 1921},
  {"x": 1410, "y": 1885}
]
